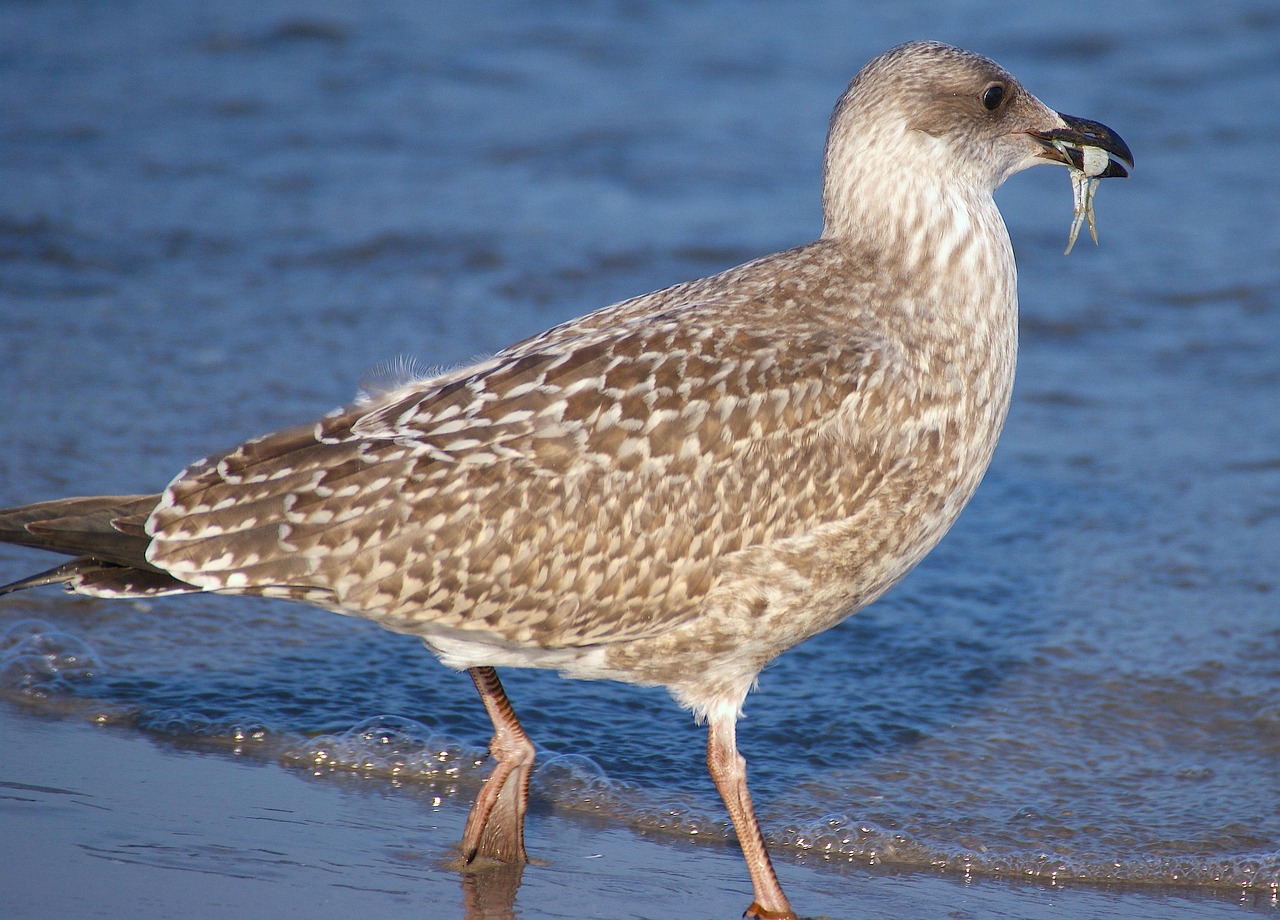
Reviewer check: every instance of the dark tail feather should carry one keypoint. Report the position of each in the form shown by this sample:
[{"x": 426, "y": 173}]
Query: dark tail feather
[
  {"x": 56, "y": 576},
  {"x": 106, "y": 533},
  {"x": 106, "y": 527}
]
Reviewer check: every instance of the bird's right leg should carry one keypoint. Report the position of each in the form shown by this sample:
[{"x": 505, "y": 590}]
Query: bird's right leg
[
  {"x": 728, "y": 770},
  {"x": 495, "y": 827}
]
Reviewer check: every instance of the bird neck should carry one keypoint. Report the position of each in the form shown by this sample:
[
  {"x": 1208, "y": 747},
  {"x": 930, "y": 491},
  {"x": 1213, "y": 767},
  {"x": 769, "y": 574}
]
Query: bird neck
[
  {"x": 937, "y": 242},
  {"x": 891, "y": 190},
  {"x": 927, "y": 237}
]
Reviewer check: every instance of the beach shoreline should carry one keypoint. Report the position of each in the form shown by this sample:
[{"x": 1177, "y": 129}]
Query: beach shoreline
[{"x": 107, "y": 822}]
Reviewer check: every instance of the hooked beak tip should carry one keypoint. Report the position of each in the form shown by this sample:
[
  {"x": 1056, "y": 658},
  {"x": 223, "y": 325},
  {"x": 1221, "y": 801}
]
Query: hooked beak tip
[{"x": 1077, "y": 146}]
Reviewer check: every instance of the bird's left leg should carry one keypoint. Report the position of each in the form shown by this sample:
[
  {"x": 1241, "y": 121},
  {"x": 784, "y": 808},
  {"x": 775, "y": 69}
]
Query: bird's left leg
[{"x": 495, "y": 826}]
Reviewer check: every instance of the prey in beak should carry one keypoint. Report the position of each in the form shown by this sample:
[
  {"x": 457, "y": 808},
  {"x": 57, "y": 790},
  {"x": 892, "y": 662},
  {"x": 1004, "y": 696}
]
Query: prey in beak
[
  {"x": 1091, "y": 151},
  {"x": 1082, "y": 143}
]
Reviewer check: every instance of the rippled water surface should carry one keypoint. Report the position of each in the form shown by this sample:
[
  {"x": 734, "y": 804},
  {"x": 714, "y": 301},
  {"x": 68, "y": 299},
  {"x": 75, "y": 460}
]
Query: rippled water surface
[{"x": 217, "y": 222}]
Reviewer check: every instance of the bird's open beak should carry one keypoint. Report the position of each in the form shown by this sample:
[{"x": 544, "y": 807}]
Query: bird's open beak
[{"x": 1079, "y": 143}]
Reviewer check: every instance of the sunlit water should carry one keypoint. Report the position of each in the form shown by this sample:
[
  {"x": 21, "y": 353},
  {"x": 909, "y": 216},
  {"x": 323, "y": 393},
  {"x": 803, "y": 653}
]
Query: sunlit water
[{"x": 215, "y": 224}]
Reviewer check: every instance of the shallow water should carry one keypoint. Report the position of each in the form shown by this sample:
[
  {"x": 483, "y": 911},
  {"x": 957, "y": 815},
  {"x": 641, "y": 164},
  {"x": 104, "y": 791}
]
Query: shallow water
[{"x": 216, "y": 222}]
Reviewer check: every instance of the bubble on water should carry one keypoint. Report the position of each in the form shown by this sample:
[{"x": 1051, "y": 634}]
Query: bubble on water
[
  {"x": 831, "y": 835},
  {"x": 176, "y": 722},
  {"x": 682, "y": 819},
  {"x": 391, "y": 746},
  {"x": 243, "y": 734},
  {"x": 573, "y": 780},
  {"x": 187, "y": 725},
  {"x": 39, "y": 660}
]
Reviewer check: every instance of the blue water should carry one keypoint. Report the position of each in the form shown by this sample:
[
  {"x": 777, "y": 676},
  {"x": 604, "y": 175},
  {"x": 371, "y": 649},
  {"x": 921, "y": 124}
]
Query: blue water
[{"x": 215, "y": 221}]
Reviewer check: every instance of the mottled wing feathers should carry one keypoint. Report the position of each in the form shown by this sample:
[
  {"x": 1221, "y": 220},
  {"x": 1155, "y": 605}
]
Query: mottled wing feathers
[{"x": 568, "y": 491}]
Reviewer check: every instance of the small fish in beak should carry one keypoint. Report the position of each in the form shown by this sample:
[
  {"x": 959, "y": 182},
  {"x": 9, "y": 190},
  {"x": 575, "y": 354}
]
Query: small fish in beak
[
  {"x": 1083, "y": 188},
  {"x": 1091, "y": 152}
]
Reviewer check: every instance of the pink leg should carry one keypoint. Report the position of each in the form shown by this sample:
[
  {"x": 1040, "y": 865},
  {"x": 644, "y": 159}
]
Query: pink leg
[
  {"x": 495, "y": 827},
  {"x": 729, "y": 771}
]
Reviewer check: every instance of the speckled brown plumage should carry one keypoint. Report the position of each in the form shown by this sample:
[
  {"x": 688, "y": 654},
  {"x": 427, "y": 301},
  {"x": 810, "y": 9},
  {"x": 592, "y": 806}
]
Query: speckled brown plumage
[
  {"x": 672, "y": 490},
  {"x": 582, "y": 496}
]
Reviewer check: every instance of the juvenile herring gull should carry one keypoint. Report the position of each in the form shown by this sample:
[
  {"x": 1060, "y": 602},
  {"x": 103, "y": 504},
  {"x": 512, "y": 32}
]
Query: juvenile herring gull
[{"x": 672, "y": 490}]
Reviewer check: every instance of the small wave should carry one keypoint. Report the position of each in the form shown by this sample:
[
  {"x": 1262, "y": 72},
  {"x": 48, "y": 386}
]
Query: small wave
[
  {"x": 404, "y": 750},
  {"x": 839, "y": 838},
  {"x": 45, "y": 667},
  {"x": 186, "y": 726},
  {"x": 575, "y": 782},
  {"x": 391, "y": 746},
  {"x": 683, "y": 820}
]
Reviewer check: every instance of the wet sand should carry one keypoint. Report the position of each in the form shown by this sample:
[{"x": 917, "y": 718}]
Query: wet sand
[{"x": 101, "y": 822}]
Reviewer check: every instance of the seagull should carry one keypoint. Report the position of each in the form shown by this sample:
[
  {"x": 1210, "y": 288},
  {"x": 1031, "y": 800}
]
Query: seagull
[{"x": 670, "y": 491}]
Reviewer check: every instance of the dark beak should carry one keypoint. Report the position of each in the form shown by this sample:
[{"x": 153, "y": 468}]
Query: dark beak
[{"x": 1067, "y": 145}]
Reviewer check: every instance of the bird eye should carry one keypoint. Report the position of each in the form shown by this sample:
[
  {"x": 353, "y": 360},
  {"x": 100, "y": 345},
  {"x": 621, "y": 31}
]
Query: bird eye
[{"x": 992, "y": 96}]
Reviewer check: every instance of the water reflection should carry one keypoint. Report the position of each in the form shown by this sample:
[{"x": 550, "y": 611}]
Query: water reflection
[{"x": 489, "y": 891}]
